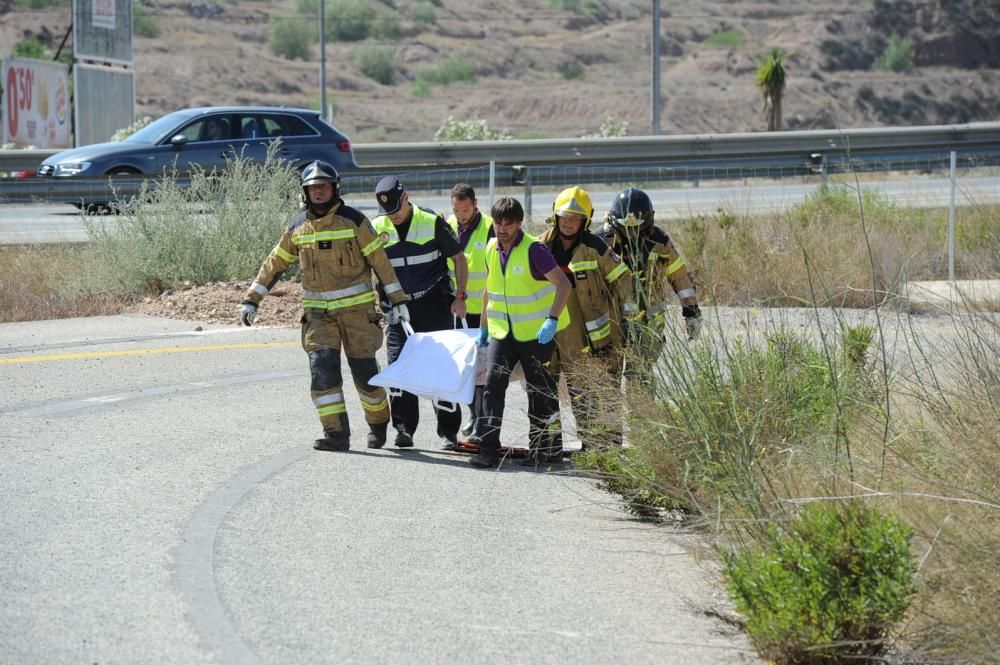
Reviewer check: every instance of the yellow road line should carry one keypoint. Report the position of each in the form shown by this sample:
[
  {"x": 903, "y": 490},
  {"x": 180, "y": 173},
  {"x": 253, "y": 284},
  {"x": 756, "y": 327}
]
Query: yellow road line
[{"x": 141, "y": 352}]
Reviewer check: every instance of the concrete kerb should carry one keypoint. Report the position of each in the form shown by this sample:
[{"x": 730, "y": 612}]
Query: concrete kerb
[{"x": 978, "y": 294}]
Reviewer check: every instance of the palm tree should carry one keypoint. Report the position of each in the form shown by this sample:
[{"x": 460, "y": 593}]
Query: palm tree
[{"x": 771, "y": 81}]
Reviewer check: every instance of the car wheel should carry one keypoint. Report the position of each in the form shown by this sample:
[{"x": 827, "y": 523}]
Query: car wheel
[{"x": 119, "y": 206}]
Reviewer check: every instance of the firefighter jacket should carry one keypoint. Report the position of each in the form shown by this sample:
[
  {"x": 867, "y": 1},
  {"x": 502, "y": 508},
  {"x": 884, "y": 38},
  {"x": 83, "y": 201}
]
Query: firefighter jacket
[
  {"x": 475, "y": 255},
  {"x": 516, "y": 298},
  {"x": 418, "y": 261},
  {"x": 599, "y": 278},
  {"x": 655, "y": 262},
  {"x": 338, "y": 253}
]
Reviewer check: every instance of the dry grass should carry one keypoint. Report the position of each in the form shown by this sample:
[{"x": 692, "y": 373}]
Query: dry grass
[{"x": 39, "y": 282}]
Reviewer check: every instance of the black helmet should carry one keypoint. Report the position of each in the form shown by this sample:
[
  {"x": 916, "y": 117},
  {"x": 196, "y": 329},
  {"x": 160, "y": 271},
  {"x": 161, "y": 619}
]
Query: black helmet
[
  {"x": 318, "y": 172},
  {"x": 314, "y": 174},
  {"x": 631, "y": 209}
]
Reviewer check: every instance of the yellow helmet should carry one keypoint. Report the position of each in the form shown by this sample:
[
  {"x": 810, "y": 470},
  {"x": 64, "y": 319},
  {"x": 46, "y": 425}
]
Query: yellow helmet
[{"x": 574, "y": 201}]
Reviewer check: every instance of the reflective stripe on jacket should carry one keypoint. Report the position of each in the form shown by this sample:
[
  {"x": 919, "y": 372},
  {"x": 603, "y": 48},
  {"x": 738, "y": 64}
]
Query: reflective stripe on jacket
[
  {"x": 338, "y": 253},
  {"x": 516, "y": 298},
  {"x": 598, "y": 275},
  {"x": 418, "y": 261}
]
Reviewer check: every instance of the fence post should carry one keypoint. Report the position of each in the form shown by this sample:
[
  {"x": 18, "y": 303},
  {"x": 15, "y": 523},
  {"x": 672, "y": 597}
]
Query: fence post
[
  {"x": 527, "y": 192},
  {"x": 493, "y": 179},
  {"x": 951, "y": 221}
]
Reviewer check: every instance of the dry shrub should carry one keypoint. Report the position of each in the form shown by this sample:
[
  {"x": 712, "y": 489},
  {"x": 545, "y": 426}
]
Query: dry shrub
[
  {"x": 820, "y": 253},
  {"x": 40, "y": 282}
]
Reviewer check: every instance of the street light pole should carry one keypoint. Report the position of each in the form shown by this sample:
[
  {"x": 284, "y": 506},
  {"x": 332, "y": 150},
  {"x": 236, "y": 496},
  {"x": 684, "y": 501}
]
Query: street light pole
[
  {"x": 322, "y": 58},
  {"x": 654, "y": 47}
]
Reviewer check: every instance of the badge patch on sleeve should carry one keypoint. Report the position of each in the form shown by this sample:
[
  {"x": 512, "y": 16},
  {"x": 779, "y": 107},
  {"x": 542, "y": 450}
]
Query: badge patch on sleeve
[
  {"x": 582, "y": 274},
  {"x": 325, "y": 244}
]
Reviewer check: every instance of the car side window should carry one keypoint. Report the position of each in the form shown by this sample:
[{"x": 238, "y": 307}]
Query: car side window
[
  {"x": 287, "y": 125},
  {"x": 208, "y": 129},
  {"x": 252, "y": 128}
]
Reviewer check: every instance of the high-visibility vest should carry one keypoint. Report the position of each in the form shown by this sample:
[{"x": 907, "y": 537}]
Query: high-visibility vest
[
  {"x": 475, "y": 256},
  {"x": 418, "y": 261},
  {"x": 516, "y": 298}
]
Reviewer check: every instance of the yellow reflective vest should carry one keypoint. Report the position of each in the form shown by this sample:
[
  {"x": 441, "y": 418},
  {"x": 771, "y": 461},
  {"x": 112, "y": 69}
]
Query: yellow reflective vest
[
  {"x": 475, "y": 256},
  {"x": 516, "y": 298}
]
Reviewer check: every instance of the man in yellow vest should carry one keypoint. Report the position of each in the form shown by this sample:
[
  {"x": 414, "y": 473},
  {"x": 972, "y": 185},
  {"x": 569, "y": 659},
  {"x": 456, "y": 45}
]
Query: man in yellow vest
[
  {"x": 474, "y": 229},
  {"x": 583, "y": 354},
  {"x": 525, "y": 306},
  {"x": 419, "y": 243},
  {"x": 339, "y": 251}
]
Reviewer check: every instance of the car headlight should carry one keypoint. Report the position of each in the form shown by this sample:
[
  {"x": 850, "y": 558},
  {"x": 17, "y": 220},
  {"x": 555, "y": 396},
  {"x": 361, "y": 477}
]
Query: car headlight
[{"x": 71, "y": 168}]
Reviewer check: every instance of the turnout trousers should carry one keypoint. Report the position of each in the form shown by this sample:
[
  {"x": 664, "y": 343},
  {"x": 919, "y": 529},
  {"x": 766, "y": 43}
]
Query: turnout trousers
[{"x": 357, "y": 331}]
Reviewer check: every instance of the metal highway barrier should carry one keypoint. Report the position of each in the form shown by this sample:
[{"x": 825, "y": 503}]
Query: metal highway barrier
[{"x": 556, "y": 162}]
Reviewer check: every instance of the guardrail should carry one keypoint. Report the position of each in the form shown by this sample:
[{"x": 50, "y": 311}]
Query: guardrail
[{"x": 435, "y": 166}]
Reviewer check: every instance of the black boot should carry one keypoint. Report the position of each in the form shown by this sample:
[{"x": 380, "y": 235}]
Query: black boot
[
  {"x": 336, "y": 440},
  {"x": 377, "y": 434}
]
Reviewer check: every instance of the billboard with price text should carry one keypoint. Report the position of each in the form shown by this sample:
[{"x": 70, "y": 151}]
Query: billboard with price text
[{"x": 36, "y": 104}]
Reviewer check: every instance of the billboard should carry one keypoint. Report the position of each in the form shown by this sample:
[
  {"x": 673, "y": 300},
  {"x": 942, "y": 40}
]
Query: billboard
[
  {"x": 104, "y": 101},
  {"x": 36, "y": 110},
  {"x": 102, "y": 30}
]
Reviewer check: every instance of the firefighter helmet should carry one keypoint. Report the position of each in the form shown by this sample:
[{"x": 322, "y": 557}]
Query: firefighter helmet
[
  {"x": 573, "y": 201},
  {"x": 631, "y": 209},
  {"x": 318, "y": 172}
]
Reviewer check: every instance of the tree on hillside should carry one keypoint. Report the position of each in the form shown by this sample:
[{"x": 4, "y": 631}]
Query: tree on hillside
[{"x": 771, "y": 81}]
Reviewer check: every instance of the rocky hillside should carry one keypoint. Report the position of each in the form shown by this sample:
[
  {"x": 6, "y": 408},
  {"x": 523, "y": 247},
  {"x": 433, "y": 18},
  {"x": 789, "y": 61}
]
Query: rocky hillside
[{"x": 559, "y": 68}]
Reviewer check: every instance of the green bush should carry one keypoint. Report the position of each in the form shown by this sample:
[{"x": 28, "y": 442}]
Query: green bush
[
  {"x": 42, "y": 4},
  {"x": 420, "y": 89},
  {"x": 349, "y": 20},
  {"x": 469, "y": 130},
  {"x": 126, "y": 132},
  {"x": 624, "y": 472},
  {"x": 565, "y": 5},
  {"x": 29, "y": 48},
  {"x": 610, "y": 128},
  {"x": 290, "y": 38},
  {"x": 143, "y": 22},
  {"x": 424, "y": 12},
  {"x": 572, "y": 72},
  {"x": 829, "y": 589},
  {"x": 376, "y": 62},
  {"x": 387, "y": 27},
  {"x": 202, "y": 233},
  {"x": 730, "y": 38},
  {"x": 898, "y": 55},
  {"x": 452, "y": 69}
]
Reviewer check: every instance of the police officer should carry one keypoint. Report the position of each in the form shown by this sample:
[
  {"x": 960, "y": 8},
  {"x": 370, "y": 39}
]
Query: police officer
[
  {"x": 474, "y": 229},
  {"x": 599, "y": 280},
  {"x": 655, "y": 263},
  {"x": 525, "y": 306},
  {"x": 419, "y": 243},
  {"x": 339, "y": 251}
]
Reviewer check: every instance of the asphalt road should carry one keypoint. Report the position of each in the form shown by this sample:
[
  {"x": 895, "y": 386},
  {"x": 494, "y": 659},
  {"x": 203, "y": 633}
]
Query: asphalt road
[
  {"x": 61, "y": 223},
  {"x": 162, "y": 504}
]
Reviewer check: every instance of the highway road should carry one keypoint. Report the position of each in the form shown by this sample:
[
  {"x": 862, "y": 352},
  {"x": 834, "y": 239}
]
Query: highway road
[
  {"x": 61, "y": 223},
  {"x": 162, "y": 504}
]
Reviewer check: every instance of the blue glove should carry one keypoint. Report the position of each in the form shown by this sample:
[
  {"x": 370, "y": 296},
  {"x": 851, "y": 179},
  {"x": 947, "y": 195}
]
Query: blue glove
[
  {"x": 483, "y": 337},
  {"x": 547, "y": 332}
]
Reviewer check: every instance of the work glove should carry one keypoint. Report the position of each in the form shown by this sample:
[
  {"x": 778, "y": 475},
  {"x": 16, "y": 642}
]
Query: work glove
[
  {"x": 547, "y": 331},
  {"x": 483, "y": 337},
  {"x": 693, "y": 326},
  {"x": 248, "y": 313},
  {"x": 397, "y": 314}
]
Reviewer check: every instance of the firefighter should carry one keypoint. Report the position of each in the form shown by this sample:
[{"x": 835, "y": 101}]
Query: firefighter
[
  {"x": 339, "y": 251},
  {"x": 525, "y": 306},
  {"x": 655, "y": 263},
  {"x": 474, "y": 229},
  {"x": 419, "y": 243},
  {"x": 583, "y": 353}
]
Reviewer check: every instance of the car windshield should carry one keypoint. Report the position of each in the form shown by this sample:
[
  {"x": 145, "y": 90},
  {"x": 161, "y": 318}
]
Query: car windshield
[{"x": 158, "y": 130}]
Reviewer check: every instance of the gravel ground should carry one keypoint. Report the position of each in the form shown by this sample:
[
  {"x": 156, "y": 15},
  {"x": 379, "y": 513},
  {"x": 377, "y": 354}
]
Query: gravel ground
[{"x": 220, "y": 303}]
